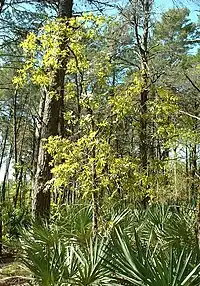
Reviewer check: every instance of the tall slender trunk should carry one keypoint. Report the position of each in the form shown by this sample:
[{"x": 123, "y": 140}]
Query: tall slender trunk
[
  {"x": 95, "y": 195},
  {"x": 37, "y": 135},
  {"x": 15, "y": 132},
  {"x": 3, "y": 188},
  {"x": 145, "y": 89},
  {"x": 141, "y": 27},
  {"x": 175, "y": 175},
  {"x": 187, "y": 174},
  {"x": 20, "y": 173},
  {"x": 142, "y": 40},
  {"x": 1, "y": 229},
  {"x": 4, "y": 147},
  {"x": 198, "y": 222},
  {"x": 194, "y": 189},
  {"x": 143, "y": 130},
  {"x": 1, "y": 200},
  {"x": 2, "y": 196},
  {"x": 52, "y": 124}
]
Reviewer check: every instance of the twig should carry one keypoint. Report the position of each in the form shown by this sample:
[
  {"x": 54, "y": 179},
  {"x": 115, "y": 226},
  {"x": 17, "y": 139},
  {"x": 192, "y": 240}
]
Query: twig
[{"x": 191, "y": 115}]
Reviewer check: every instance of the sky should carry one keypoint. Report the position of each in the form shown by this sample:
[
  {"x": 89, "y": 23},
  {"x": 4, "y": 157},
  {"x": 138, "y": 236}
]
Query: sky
[
  {"x": 163, "y": 5},
  {"x": 167, "y": 4}
]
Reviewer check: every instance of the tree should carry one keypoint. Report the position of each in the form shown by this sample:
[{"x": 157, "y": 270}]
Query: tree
[{"x": 51, "y": 116}]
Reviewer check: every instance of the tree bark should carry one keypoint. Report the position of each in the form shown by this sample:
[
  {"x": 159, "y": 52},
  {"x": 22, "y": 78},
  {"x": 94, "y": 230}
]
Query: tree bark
[
  {"x": 142, "y": 41},
  {"x": 3, "y": 147},
  {"x": 20, "y": 173},
  {"x": 143, "y": 48},
  {"x": 198, "y": 223},
  {"x": 37, "y": 135},
  {"x": 141, "y": 22},
  {"x": 52, "y": 125},
  {"x": 95, "y": 195},
  {"x": 15, "y": 133}
]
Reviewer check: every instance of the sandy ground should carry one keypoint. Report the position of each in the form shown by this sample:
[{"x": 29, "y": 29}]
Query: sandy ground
[{"x": 11, "y": 273}]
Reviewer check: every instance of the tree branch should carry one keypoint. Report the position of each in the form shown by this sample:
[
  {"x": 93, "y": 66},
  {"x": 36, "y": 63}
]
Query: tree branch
[{"x": 192, "y": 83}]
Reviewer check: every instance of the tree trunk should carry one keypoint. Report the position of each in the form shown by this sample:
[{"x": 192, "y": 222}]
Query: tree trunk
[
  {"x": 3, "y": 187},
  {"x": 194, "y": 188},
  {"x": 198, "y": 223},
  {"x": 95, "y": 195},
  {"x": 3, "y": 147},
  {"x": 143, "y": 47},
  {"x": 15, "y": 133},
  {"x": 142, "y": 40},
  {"x": 143, "y": 130},
  {"x": 37, "y": 135},
  {"x": 2, "y": 197},
  {"x": 41, "y": 199},
  {"x": 187, "y": 174},
  {"x": 52, "y": 125},
  {"x": 141, "y": 27},
  {"x": 20, "y": 172}
]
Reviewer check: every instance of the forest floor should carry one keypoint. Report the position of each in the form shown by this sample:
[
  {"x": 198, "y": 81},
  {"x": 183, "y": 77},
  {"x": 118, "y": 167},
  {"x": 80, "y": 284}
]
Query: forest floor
[{"x": 11, "y": 272}]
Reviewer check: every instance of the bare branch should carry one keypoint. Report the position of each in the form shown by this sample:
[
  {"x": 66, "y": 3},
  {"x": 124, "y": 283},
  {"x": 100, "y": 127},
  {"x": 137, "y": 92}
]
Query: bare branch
[{"x": 192, "y": 83}]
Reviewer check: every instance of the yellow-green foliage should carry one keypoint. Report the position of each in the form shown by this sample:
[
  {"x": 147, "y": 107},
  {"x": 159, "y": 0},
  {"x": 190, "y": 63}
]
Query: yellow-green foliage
[
  {"x": 163, "y": 108},
  {"x": 125, "y": 98},
  {"x": 73, "y": 162},
  {"x": 63, "y": 42}
]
